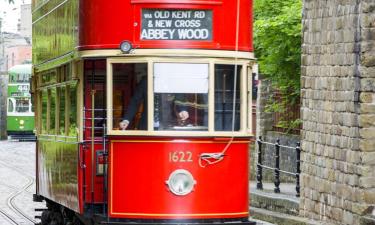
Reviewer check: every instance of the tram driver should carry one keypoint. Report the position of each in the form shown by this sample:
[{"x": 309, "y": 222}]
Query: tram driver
[{"x": 140, "y": 98}]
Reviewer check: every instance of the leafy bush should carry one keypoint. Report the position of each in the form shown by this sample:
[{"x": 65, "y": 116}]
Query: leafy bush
[{"x": 277, "y": 41}]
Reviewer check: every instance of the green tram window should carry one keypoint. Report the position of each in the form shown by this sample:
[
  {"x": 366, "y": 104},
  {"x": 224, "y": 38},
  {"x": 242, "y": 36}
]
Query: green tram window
[
  {"x": 23, "y": 78},
  {"x": 224, "y": 95},
  {"x": 10, "y": 106},
  {"x": 52, "y": 111},
  {"x": 22, "y": 105},
  {"x": 72, "y": 90},
  {"x": 44, "y": 101}
]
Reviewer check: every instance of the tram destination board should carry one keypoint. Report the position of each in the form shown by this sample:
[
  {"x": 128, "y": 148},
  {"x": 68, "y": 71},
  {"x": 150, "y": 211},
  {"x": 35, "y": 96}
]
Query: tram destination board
[{"x": 166, "y": 24}]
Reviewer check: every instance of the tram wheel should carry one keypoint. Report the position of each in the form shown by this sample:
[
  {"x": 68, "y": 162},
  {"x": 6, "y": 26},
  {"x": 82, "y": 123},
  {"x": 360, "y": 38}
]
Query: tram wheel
[
  {"x": 45, "y": 218},
  {"x": 56, "y": 219}
]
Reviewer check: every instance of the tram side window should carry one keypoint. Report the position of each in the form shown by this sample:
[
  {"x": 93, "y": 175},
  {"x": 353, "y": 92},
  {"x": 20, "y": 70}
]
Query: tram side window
[
  {"x": 12, "y": 78},
  {"x": 62, "y": 103},
  {"x": 52, "y": 111},
  {"x": 224, "y": 94},
  {"x": 23, "y": 78},
  {"x": 130, "y": 96},
  {"x": 181, "y": 96},
  {"x": 72, "y": 100},
  {"x": 10, "y": 105},
  {"x": 44, "y": 101}
]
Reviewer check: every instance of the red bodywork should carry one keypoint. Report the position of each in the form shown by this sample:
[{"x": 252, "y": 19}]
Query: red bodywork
[
  {"x": 139, "y": 169},
  {"x": 105, "y": 26},
  {"x": 140, "y": 166}
]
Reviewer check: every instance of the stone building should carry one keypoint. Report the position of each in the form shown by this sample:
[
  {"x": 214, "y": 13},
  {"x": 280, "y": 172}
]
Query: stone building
[
  {"x": 18, "y": 54},
  {"x": 338, "y": 111},
  {"x": 14, "y": 49},
  {"x": 25, "y": 22}
]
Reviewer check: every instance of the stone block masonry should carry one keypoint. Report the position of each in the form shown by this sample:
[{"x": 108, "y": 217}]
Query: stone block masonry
[{"x": 338, "y": 110}]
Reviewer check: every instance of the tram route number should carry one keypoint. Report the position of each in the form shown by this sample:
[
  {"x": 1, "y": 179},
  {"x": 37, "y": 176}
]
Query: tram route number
[
  {"x": 180, "y": 156},
  {"x": 23, "y": 88},
  {"x": 165, "y": 24}
]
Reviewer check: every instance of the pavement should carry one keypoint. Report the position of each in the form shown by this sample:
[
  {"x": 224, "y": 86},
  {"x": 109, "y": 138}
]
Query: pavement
[
  {"x": 287, "y": 190},
  {"x": 17, "y": 184}
]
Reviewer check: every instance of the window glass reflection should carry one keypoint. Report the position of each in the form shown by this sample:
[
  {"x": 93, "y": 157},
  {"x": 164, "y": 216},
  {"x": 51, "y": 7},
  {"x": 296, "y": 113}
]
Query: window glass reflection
[
  {"x": 181, "y": 96},
  {"x": 62, "y": 111},
  {"x": 44, "y": 99},
  {"x": 224, "y": 93},
  {"x": 52, "y": 111},
  {"x": 22, "y": 105},
  {"x": 72, "y": 90}
]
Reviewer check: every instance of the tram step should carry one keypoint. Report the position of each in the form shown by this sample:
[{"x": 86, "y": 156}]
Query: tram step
[
  {"x": 40, "y": 209},
  {"x": 23, "y": 137}
]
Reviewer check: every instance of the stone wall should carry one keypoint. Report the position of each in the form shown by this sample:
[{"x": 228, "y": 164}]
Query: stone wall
[
  {"x": 264, "y": 128},
  {"x": 264, "y": 120},
  {"x": 338, "y": 110}
]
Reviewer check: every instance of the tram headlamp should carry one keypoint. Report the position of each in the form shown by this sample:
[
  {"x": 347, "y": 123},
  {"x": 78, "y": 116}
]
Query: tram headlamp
[
  {"x": 126, "y": 46},
  {"x": 181, "y": 182},
  {"x": 22, "y": 122}
]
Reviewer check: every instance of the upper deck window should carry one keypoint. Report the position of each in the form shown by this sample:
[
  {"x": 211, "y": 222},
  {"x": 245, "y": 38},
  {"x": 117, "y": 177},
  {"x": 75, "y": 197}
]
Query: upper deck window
[{"x": 19, "y": 78}]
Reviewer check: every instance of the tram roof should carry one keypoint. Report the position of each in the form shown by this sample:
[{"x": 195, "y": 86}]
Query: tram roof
[{"x": 21, "y": 69}]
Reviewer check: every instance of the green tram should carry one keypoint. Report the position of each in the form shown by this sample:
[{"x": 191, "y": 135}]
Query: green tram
[{"x": 20, "y": 113}]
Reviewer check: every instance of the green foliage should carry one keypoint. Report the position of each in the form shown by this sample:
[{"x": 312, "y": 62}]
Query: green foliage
[
  {"x": 277, "y": 40},
  {"x": 287, "y": 120}
]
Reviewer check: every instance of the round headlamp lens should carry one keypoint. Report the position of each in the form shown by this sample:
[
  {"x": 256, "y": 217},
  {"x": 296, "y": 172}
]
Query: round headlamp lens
[{"x": 181, "y": 182}]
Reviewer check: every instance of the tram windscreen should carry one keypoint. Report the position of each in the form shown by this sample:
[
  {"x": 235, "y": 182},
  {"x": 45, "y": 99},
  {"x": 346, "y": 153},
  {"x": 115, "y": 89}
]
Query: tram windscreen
[
  {"x": 129, "y": 96},
  {"x": 22, "y": 105},
  {"x": 181, "y": 96}
]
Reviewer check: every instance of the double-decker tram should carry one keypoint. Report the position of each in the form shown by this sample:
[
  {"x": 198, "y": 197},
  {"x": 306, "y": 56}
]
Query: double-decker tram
[
  {"x": 143, "y": 110},
  {"x": 20, "y": 115}
]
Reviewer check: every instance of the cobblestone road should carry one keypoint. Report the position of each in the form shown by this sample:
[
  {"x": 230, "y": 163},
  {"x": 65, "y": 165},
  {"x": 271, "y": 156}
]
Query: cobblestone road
[{"x": 17, "y": 183}]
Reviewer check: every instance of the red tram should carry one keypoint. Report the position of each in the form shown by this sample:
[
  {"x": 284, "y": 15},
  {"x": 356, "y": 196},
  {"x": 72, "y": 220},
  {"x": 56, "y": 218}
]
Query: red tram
[{"x": 143, "y": 110}]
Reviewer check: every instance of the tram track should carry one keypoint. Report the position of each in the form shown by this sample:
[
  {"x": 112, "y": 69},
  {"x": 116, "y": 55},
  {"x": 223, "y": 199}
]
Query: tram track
[
  {"x": 10, "y": 201},
  {"x": 8, "y": 217}
]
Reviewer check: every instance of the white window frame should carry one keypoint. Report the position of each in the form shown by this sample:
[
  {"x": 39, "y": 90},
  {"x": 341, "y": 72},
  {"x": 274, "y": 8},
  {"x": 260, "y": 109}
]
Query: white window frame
[{"x": 245, "y": 112}]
